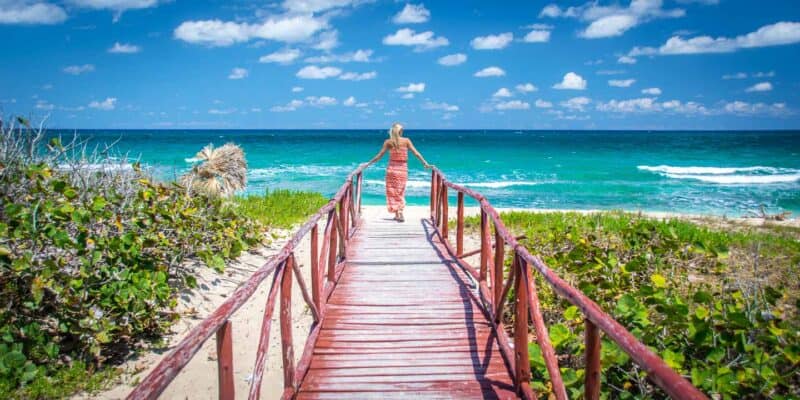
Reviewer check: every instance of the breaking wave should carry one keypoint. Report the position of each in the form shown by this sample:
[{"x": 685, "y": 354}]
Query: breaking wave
[{"x": 756, "y": 175}]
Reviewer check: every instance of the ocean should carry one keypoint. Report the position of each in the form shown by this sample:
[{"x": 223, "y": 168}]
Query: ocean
[{"x": 720, "y": 173}]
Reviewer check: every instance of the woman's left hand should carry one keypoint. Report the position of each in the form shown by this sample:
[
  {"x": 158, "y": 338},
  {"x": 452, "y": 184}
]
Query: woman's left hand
[{"x": 428, "y": 166}]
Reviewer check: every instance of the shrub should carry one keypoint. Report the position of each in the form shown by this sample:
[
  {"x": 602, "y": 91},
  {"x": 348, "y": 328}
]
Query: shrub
[{"x": 280, "y": 208}]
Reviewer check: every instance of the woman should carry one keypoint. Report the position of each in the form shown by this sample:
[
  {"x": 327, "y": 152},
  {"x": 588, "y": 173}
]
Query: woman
[{"x": 397, "y": 171}]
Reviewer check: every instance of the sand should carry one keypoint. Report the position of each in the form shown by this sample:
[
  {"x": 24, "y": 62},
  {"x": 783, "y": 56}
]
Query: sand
[{"x": 198, "y": 380}]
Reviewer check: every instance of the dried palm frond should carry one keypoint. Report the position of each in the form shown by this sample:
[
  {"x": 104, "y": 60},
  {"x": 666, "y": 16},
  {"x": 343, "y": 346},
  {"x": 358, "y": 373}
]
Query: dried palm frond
[{"x": 221, "y": 171}]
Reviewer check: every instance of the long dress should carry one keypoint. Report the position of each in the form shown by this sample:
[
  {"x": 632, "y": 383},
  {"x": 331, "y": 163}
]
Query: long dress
[{"x": 396, "y": 178}]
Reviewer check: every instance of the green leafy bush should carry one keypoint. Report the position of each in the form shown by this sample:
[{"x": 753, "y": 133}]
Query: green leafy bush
[
  {"x": 90, "y": 260},
  {"x": 686, "y": 291},
  {"x": 280, "y": 208}
]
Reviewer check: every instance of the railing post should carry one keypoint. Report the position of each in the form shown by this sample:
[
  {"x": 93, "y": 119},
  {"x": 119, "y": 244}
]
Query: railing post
[
  {"x": 499, "y": 259},
  {"x": 315, "y": 281},
  {"x": 332, "y": 250},
  {"x": 592, "y": 385},
  {"x": 225, "y": 361},
  {"x": 445, "y": 207},
  {"x": 433, "y": 196},
  {"x": 486, "y": 245},
  {"x": 460, "y": 225},
  {"x": 522, "y": 361},
  {"x": 543, "y": 340},
  {"x": 360, "y": 195},
  {"x": 286, "y": 326}
]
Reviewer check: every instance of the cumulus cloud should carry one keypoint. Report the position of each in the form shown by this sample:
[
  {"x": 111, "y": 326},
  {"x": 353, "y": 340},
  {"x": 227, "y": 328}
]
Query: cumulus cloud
[
  {"x": 430, "y": 105},
  {"x": 492, "y": 42},
  {"x": 412, "y": 88},
  {"x": 44, "y": 105},
  {"x": 315, "y": 72},
  {"x": 412, "y": 14},
  {"x": 327, "y": 40},
  {"x": 290, "y": 106},
  {"x": 313, "y": 6},
  {"x": 106, "y": 105},
  {"x": 526, "y": 88},
  {"x": 124, "y": 48},
  {"x": 238, "y": 73},
  {"x": 571, "y": 81},
  {"x": 744, "y": 108},
  {"x": 355, "y": 76},
  {"x": 760, "y": 87},
  {"x": 576, "y": 103},
  {"x": 453, "y": 59},
  {"x": 502, "y": 92},
  {"x": 117, "y": 6},
  {"x": 612, "y": 20},
  {"x": 30, "y": 13},
  {"x": 537, "y": 36},
  {"x": 490, "y": 72},
  {"x": 543, "y": 104},
  {"x": 285, "y": 56},
  {"x": 512, "y": 105},
  {"x": 621, "y": 82},
  {"x": 653, "y": 91},
  {"x": 626, "y": 60},
  {"x": 781, "y": 33},
  {"x": 420, "y": 41},
  {"x": 355, "y": 56},
  {"x": 738, "y": 75},
  {"x": 650, "y": 105},
  {"x": 349, "y": 102},
  {"x": 79, "y": 69},
  {"x": 297, "y": 89},
  {"x": 283, "y": 28}
]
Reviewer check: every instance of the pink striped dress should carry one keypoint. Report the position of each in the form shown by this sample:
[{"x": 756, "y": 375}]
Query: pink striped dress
[{"x": 396, "y": 178}]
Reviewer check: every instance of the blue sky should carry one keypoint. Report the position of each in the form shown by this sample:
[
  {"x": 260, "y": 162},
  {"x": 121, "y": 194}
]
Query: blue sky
[{"x": 641, "y": 64}]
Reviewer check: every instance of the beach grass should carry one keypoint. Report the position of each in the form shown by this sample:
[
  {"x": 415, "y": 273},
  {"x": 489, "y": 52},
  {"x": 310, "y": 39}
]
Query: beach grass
[
  {"x": 716, "y": 299},
  {"x": 280, "y": 208}
]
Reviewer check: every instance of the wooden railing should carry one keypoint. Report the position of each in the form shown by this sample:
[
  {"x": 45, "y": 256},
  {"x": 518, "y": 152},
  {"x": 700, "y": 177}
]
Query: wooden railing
[
  {"x": 494, "y": 287},
  {"x": 343, "y": 214}
]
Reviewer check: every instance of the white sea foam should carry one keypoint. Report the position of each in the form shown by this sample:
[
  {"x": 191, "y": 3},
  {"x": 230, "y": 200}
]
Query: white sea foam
[
  {"x": 191, "y": 160},
  {"x": 740, "y": 179},
  {"x": 491, "y": 185},
  {"x": 309, "y": 170},
  {"x": 105, "y": 167},
  {"x": 668, "y": 169}
]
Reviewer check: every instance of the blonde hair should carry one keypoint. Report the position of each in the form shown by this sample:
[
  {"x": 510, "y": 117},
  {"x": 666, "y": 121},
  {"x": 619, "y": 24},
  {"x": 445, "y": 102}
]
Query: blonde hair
[{"x": 394, "y": 134}]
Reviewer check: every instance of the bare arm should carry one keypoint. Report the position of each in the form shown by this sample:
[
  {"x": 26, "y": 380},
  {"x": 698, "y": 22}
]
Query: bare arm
[
  {"x": 417, "y": 154},
  {"x": 380, "y": 154}
]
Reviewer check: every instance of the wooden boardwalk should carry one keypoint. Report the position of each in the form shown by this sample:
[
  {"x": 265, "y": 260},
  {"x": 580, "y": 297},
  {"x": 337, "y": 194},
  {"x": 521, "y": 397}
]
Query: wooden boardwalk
[{"x": 402, "y": 323}]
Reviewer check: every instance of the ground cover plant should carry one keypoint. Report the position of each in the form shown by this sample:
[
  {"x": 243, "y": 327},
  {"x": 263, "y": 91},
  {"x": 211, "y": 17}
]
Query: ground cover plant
[
  {"x": 718, "y": 305},
  {"x": 280, "y": 208}
]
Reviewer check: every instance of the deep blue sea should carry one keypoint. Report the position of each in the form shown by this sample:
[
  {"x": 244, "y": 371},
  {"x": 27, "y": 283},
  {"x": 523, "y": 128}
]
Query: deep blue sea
[{"x": 722, "y": 173}]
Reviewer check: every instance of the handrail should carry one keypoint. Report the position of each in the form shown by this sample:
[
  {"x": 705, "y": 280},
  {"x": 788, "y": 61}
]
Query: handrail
[
  {"x": 283, "y": 265},
  {"x": 526, "y": 302}
]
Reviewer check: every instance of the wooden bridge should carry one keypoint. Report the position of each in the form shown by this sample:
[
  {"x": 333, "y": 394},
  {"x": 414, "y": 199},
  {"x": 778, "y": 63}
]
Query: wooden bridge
[{"x": 399, "y": 313}]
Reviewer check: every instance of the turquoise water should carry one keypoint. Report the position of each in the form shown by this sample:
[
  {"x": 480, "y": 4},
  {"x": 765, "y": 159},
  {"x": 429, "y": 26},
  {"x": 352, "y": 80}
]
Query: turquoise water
[{"x": 719, "y": 173}]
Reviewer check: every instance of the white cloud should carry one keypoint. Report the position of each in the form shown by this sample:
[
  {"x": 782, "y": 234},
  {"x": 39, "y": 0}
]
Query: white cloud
[
  {"x": 117, "y": 6},
  {"x": 327, "y": 41},
  {"x": 490, "y": 72},
  {"x": 543, "y": 104},
  {"x": 492, "y": 42},
  {"x": 43, "y": 105},
  {"x": 30, "y": 13},
  {"x": 285, "y": 28},
  {"x": 412, "y": 88},
  {"x": 355, "y": 56},
  {"x": 79, "y": 69},
  {"x": 407, "y": 96},
  {"x": 453, "y": 59},
  {"x": 537, "y": 36},
  {"x": 355, "y": 76},
  {"x": 738, "y": 75},
  {"x": 526, "y": 88},
  {"x": 760, "y": 87},
  {"x": 297, "y": 89},
  {"x": 238, "y": 73},
  {"x": 315, "y": 72},
  {"x": 322, "y": 101},
  {"x": 621, "y": 82},
  {"x": 769, "y": 74},
  {"x": 576, "y": 103},
  {"x": 420, "y": 41},
  {"x": 124, "y": 48},
  {"x": 106, "y": 105},
  {"x": 284, "y": 56},
  {"x": 612, "y": 20},
  {"x": 610, "y": 72},
  {"x": 412, "y": 14},
  {"x": 632, "y": 105},
  {"x": 429, "y": 105},
  {"x": 502, "y": 92},
  {"x": 745, "y": 108},
  {"x": 653, "y": 91},
  {"x": 291, "y": 106},
  {"x": 571, "y": 81},
  {"x": 512, "y": 105},
  {"x": 349, "y": 102},
  {"x": 781, "y": 33},
  {"x": 626, "y": 60},
  {"x": 221, "y": 111},
  {"x": 313, "y": 6}
]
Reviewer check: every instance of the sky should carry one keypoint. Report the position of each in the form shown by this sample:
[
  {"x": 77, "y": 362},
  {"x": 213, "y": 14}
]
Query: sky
[{"x": 345, "y": 64}]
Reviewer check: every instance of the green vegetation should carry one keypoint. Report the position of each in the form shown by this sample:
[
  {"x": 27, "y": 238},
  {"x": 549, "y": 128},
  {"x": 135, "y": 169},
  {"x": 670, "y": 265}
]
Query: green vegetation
[
  {"x": 719, "y": 306},
  {"x": 91, "y": 251},
  {"x": 280, "y": 208}
]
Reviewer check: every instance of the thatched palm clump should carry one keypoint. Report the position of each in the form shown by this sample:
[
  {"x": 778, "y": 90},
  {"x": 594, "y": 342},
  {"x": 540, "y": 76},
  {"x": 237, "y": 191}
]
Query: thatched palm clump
[{"x": 221, "y": 172}]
